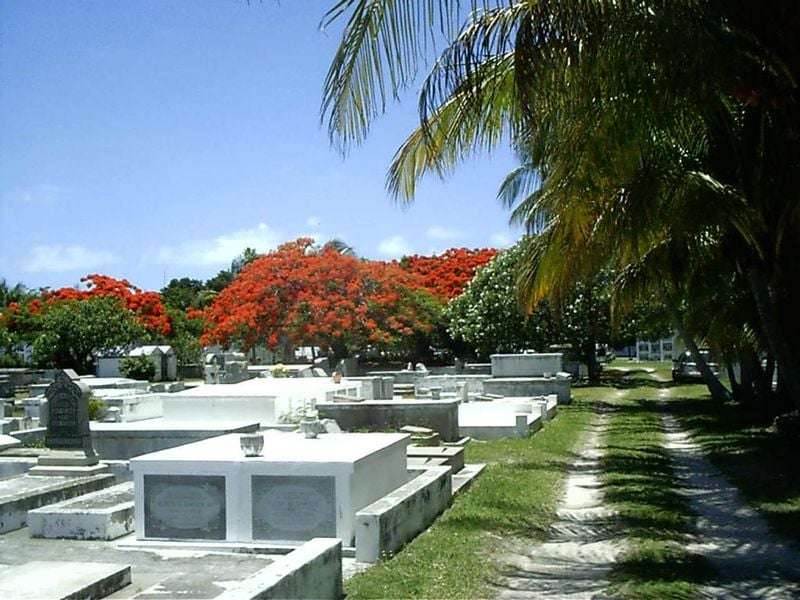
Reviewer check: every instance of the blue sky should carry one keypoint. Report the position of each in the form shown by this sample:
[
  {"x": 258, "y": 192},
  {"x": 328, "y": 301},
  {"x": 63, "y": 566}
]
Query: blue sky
[{"x": 157, "y": 139}]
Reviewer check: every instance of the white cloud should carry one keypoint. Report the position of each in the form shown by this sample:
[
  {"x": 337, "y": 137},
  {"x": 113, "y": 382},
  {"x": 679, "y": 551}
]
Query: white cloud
[
  {"x": 501, "y": 240},
  {"x": 313, "y": 222},
  {"x": 442, "y": 233},
  {"x": 394, "y": 246},
  {"x": 37, "y": 194},
  {"x": 220, "y": 250},
  {"x": 59, "y": 257}
]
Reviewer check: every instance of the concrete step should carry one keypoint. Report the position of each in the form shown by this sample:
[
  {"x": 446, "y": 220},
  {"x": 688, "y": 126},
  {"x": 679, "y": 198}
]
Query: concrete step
[
  {"x": 62, "y": 580},
  {"x": 453, "y": 455},
  {"x": 20, "y": 494},
  {"x": 103, "y": 515}
]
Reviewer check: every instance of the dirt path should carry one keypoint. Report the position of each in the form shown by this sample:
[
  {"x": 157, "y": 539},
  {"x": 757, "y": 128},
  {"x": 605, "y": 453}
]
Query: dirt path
[
  {"x": 583, "y": 544},
  {"x": 750, "y": 560}
]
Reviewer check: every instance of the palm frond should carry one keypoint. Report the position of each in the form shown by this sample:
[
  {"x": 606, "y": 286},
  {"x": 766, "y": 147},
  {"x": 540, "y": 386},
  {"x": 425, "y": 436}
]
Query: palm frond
[
  {"x": 464, "y": 124},
  {"x": 383, "y": 44}
]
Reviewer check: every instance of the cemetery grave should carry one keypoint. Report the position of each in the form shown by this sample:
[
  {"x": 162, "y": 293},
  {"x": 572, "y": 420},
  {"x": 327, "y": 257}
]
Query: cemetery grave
[
  {"x": 529, "y": 374},
  {"x": 305, "y": 505},
  {"x": 169, "y": 472}
]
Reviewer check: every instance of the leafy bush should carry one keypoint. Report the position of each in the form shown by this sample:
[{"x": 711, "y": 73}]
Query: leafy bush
[
  {"x": 137, "y": 367},
  {"x": 11, "y": 360},
  {"x": 281, "y": 372},
  {"x": 97, "y": 408}
]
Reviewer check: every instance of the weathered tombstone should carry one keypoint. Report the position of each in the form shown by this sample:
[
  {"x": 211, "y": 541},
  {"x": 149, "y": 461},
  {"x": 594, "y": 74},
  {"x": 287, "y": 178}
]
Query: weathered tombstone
[
  {"x": 462, "y": 392},
  {"x": 70, "y": 373},
  {"x": 68, "y": 438}
]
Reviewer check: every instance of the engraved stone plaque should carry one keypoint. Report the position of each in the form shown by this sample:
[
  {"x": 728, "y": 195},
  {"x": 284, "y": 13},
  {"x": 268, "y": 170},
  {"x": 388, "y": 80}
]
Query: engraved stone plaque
[
  {"x": 186, "y": 507},
  {"x": 68, "y": 414},
  {"x": 293, "y": 508}
]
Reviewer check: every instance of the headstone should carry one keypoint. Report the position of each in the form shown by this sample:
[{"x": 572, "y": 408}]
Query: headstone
[
  {"x": 68, "y": 408},
  {"x": 70, "y": 373},
  {"x": 463, "y": 392},
  {"x": 68, "y": 437},
  {"x": 331, "y": 426},
  {"x": 44, "y": 412},
  {"x": 322, "y": 362}
]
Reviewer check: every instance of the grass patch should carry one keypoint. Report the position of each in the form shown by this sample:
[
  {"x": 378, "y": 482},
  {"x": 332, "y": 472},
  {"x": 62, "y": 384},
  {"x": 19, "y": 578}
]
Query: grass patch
[
  {"x": 740, "y": 442},
  {"x": 515, "y": 496},
  {"x": 640, "y": 484},
  {"x": 639, "y": 371}
]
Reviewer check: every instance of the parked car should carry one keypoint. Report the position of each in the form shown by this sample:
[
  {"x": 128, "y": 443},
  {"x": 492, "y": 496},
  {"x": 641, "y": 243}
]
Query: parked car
[{"x": 684, "y": 368}]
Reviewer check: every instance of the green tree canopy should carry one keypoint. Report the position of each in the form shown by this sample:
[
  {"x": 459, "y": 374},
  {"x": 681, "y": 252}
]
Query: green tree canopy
[
  {"x": 71, "y": 331},
  {"x": 659, "y": 139}
]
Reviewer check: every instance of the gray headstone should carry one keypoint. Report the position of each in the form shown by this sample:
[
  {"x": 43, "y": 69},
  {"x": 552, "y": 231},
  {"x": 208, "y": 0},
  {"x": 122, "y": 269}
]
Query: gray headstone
[
  {"x": 293, "y": 508},
  {"x": 44, "y": 412},
  {"x": 68, "y": 415},
  {"x": 331, "y": 426},
  {"x": 184, "y": 507},
  {"x": 71, "y": 374}
]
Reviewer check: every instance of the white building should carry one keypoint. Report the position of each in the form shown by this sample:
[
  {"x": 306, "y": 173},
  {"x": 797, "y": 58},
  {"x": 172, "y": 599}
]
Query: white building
[
  {"x": 163, "y": 358},
  {"x": 667, "y": 348}
]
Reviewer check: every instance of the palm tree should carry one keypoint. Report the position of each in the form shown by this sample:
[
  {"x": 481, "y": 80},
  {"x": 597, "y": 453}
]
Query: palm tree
[
  {"x": 635, "y": 121},
  {"x": 340, "y": 246},
  {"x": 15, "y": 293}
]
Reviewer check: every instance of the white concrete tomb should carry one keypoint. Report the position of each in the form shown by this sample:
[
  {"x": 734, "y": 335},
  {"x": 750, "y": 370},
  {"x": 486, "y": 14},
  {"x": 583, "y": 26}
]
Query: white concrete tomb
[{"x": 298, "y": 490}]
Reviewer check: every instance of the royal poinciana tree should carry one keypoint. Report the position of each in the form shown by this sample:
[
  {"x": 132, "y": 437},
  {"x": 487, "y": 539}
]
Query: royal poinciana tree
[
  {"x": 146, "y": 306},
  {"x": 446, "y": 275},
  {"x": 313, "y": 296},
  {"x": 67, "y": 326}
]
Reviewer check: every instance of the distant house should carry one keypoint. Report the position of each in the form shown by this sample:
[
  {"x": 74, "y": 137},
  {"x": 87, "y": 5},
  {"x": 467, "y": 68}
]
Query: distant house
[
  {"x": 667, "y": 348},
  {"x": 163, "y": 358}
]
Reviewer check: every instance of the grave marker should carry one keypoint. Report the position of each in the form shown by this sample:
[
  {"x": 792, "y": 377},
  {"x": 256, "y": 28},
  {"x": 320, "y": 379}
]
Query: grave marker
[{"x": 68, "y": 437}]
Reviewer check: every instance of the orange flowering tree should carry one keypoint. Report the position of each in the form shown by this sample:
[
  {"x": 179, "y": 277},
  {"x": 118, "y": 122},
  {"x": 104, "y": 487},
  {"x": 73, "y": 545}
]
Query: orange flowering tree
[
  {"x": 66, "y": 326},
  {"x": 319, "y": 296},
  {"x": 146, "y": 306},
  {"x": 447, "y": 274}
]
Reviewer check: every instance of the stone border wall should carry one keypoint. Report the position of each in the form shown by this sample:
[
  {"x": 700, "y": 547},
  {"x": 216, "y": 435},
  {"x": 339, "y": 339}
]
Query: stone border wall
[
  {"x": 314, "y": 570},
  {"x": 385, "y": 526},
  {"x": 380, "y": 415}
]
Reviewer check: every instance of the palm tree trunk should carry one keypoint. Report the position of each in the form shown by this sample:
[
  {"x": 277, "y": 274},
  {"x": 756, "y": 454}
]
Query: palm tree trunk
[
  {"x": 736, "y": 387},
  {"x": 779, "y": 345},
  {"x": 718, "y": 391}
]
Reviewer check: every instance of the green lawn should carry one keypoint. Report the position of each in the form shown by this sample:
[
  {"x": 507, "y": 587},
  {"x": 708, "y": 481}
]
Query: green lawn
[
  {"x": 639, "y": 482},
  {"x": 741, "y": 443},
  {"x": 639, "y": 369},
  {"x": 516, "y": 495}
]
